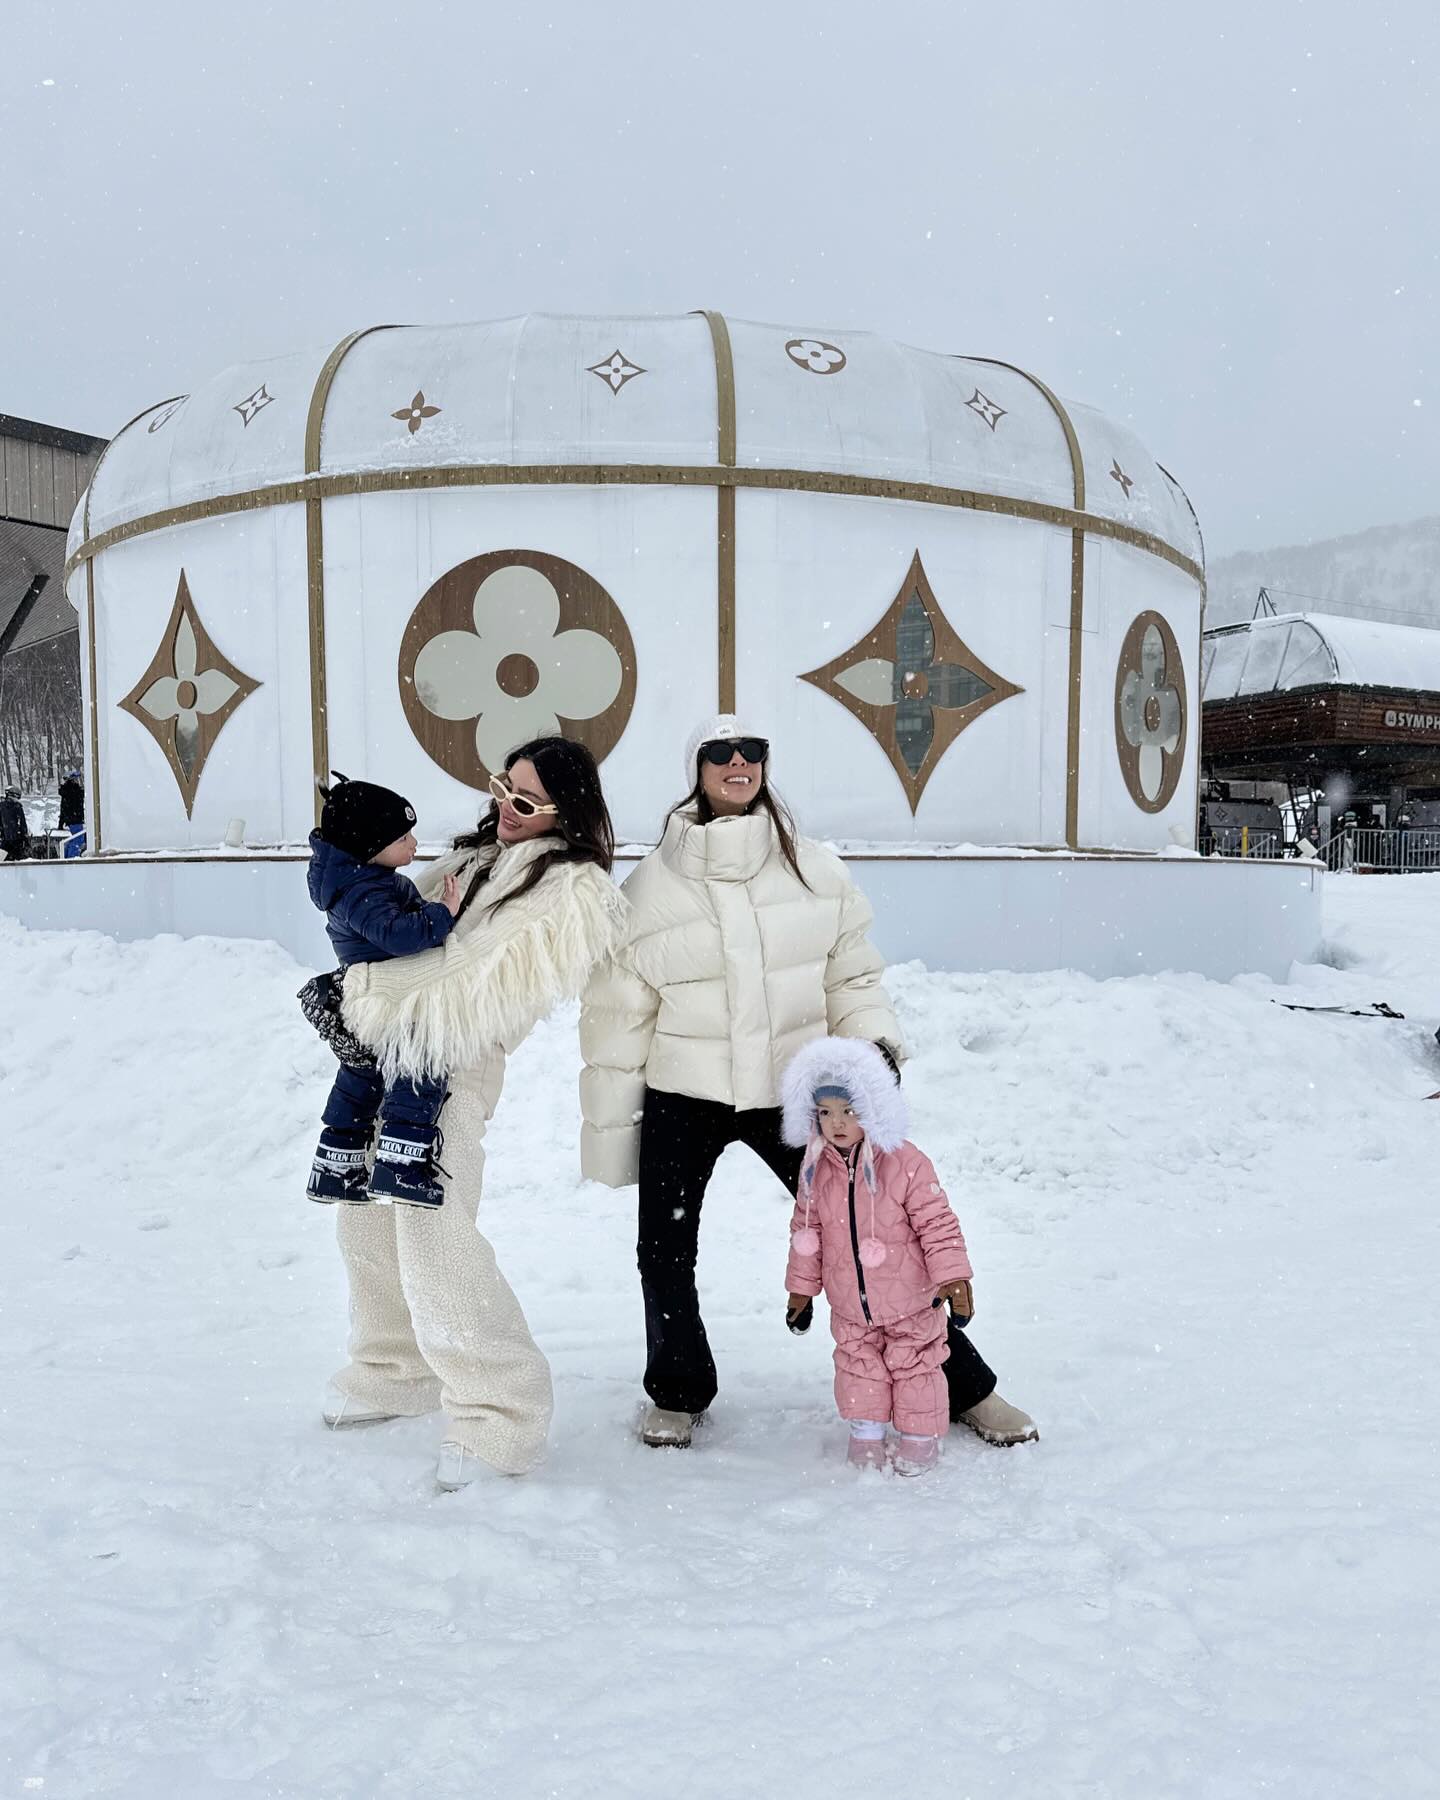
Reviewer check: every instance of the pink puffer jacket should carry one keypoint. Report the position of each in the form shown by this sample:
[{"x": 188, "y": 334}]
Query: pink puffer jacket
[
  {"x": 875, "y": 1231},
  {"x": 897, "y": 1203}
]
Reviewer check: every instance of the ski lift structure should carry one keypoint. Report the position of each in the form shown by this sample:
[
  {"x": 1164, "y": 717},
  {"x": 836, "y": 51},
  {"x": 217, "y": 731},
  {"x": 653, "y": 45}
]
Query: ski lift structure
[{"x": 1317, "y": 725}]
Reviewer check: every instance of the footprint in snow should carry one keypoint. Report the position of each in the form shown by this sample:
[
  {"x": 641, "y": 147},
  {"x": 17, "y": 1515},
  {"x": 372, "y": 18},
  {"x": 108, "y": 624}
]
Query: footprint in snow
[{"x": 155, "y": 1222}]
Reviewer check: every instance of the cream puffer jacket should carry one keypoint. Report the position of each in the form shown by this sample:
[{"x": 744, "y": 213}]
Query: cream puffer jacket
[{"x": 729, "y": 966}]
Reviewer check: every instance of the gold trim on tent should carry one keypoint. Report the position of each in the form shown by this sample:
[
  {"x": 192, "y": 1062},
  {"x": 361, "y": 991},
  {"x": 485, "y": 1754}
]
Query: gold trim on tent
[
  {"x": 263, "y": 853},
  {"x": 1077, "y": 600},
  {"x": 94, "y": 705},
  {"x": 1199, "y": 664},
  {"x": 315, "y": 559},
  {"x": 724, "y": 509},
  {"x": 800, "y": 481}
]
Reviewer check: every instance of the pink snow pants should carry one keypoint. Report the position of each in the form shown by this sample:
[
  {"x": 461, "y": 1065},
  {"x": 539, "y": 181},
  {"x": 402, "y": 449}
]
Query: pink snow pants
[{"x": 894, "y": 1372}]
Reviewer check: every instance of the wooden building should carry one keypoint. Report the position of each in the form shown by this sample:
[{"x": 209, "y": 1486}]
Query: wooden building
[{"x": 43, "y": 472}]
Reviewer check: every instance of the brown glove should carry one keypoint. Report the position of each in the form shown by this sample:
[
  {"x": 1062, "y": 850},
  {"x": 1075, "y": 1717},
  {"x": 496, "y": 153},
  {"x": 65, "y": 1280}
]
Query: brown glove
[{"x": 961, "y": 1298}]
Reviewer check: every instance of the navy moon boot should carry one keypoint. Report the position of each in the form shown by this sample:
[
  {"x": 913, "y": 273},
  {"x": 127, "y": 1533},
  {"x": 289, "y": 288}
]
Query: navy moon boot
[
  {"x": 407, "y": 1167},
  {"x": 338, "y": 1172}
]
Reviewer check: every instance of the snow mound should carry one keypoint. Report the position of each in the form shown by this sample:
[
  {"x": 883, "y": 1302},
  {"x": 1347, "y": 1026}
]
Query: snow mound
[{"x": 1204, "y": 1234}]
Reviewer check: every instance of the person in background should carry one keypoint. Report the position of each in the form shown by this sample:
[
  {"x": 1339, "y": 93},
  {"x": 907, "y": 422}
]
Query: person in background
[
  {"x": 72, "y": 812},
  {"x": 14, "y": 826}
]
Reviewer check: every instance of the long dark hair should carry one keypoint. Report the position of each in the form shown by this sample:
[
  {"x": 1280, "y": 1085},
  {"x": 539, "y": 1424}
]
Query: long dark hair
[
  {"x": 572, "y": 780},
  {"x": 767, "y": 800}
]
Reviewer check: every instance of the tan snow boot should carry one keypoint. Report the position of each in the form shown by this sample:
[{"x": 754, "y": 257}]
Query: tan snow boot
[
  {"x": 662, "y": 1429},
  {"x": 998, "y": 1422}
]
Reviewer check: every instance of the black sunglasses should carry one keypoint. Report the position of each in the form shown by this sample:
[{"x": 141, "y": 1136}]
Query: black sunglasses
[{"x": 721, "y": 750}]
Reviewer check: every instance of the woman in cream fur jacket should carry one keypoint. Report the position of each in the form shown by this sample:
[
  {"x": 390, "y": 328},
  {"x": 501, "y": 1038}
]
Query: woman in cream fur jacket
[
  {"x": 745, "y": 942},
  {"x": 433, "y": 1322}
]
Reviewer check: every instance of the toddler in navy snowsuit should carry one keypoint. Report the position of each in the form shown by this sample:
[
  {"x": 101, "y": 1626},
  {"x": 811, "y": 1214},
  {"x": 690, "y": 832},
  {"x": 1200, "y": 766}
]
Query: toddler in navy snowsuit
[{"x": 373, "y": 913}]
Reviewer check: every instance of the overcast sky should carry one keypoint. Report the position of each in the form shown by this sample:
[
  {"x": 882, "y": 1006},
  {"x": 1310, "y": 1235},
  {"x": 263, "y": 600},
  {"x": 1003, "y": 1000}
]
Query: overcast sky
[{"x": 1218, "y": 222}]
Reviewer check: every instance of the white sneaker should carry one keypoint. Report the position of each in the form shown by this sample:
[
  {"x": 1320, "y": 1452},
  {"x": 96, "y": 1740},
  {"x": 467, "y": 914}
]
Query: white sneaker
[
  {"x": 998, "y": 1422},
  {"x": 340, "y": 1412},
  {"x": 662, "y": 1429}
]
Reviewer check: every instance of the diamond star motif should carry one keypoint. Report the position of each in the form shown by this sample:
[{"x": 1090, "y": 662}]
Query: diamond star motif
[
  {"x": 1119, "y": 475},
  {"x": 416, "y": 413},
  {"x": 913, "y": 683},
  {"x": 615, "y": 370},
  {"x": 985, "y": 408},
  {"x": 187, "y": 695},
  {"x": 254, "y": 403}
]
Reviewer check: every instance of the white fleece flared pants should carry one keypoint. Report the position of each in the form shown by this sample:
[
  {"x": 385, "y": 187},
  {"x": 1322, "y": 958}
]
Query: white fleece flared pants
[{"x": 433, "y": 1322}]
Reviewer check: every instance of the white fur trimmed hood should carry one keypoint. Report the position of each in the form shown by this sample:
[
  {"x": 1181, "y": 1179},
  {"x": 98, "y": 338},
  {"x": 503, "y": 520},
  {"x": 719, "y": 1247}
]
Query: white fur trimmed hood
[
  {"x": 857, "y": 1066},
  {"x": 501, "y": 970}
]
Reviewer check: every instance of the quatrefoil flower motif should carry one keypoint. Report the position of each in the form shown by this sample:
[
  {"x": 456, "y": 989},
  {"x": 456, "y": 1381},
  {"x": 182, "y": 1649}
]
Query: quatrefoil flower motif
[
  {"x": 1150, "y": 712},
  {"x": 517, "y": 674},
  {"x": 816, "y": 355}
]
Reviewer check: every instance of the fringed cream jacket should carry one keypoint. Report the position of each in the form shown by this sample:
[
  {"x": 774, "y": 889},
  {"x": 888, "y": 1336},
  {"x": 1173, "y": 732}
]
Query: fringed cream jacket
[{"x": 501, "y": 970}]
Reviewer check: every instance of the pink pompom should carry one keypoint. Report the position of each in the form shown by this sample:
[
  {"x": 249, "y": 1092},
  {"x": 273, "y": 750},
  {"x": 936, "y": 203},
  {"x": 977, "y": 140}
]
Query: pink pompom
[
  {"x": 872, "y": 1253},
  {"x": 805, "y": 1242}
]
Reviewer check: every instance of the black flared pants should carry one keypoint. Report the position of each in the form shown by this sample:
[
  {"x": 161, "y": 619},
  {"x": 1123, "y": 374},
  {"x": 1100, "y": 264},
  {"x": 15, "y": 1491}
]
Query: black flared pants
[{"x": 680, "y": 1143}]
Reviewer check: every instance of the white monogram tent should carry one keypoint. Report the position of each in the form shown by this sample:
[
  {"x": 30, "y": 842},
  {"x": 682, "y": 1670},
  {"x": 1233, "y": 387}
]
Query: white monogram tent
[{"x": 967, "y": 612}]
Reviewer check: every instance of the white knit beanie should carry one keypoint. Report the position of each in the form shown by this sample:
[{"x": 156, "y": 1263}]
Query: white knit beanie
[{"x": 723, "y": 725}]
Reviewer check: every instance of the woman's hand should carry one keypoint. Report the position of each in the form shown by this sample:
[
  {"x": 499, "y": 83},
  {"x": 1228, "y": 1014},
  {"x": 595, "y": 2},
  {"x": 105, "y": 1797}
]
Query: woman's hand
[
  {"x": 961, "y": 1298},
  {"x": 450, "y": 896}
]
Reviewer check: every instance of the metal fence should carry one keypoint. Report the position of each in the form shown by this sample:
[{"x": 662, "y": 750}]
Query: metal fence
[
  {"x": 1243, "y": 840},
  {"x": 1372, "y": 849},
  {"x": 1369, "y": 849}
]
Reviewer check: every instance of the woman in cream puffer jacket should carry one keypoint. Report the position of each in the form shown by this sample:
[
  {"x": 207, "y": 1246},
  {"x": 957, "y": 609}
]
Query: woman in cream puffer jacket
[
  {"x": 745, "y": 942},
  {"x": 731, "y": 965}
]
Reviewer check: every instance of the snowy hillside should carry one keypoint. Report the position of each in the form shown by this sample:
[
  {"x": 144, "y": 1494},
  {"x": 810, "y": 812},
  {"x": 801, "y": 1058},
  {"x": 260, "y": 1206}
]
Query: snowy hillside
[
  {"x": 1205, "y": 1235},
  {"x": 1391, "y": 572}
]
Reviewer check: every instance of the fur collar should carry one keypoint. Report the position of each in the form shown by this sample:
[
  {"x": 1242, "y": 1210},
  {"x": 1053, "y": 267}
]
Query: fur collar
[{"x": 501, "y": 970}]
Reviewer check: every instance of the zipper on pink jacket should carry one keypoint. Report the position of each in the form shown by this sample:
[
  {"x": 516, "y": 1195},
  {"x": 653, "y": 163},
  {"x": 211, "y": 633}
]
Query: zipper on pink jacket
[{"x": 855, "y": 1239}]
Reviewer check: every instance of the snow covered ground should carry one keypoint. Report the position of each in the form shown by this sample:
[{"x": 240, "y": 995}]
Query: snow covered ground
[{"x": 1205, "y": 1231}]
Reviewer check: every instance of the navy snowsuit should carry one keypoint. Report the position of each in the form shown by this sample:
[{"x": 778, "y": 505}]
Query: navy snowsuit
[{"x": 373, "y": 915}]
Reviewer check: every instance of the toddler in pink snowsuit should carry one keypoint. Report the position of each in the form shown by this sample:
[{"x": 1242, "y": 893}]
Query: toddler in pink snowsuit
[{"x": 873, "y": 1229}]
